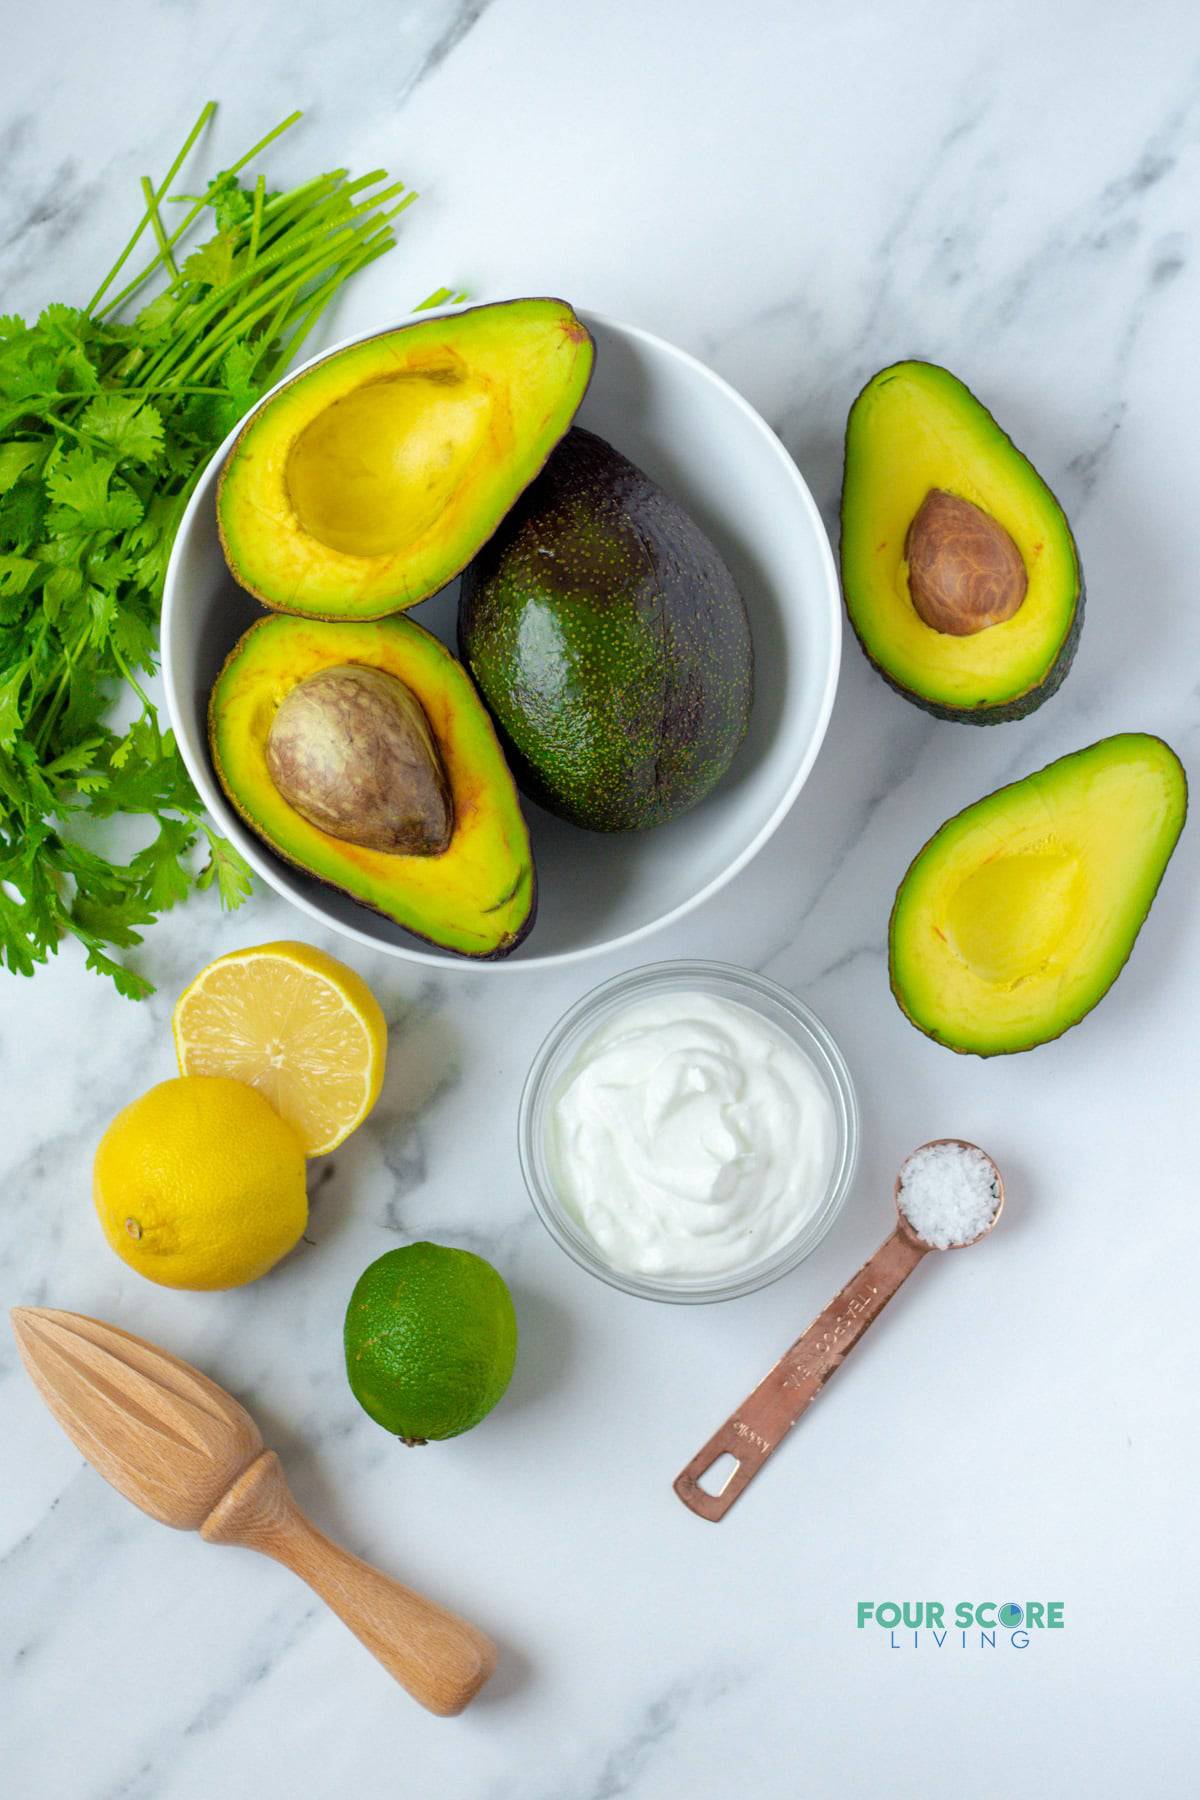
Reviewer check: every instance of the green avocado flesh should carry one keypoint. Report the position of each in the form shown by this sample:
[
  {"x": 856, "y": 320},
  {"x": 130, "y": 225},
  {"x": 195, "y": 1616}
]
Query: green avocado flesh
[
  {"x": 610, "y": 644},
  {"x": 1020, "y": 913},
  {"x": 475, "y": 897},
  {"x": 367, "y": 482},
  {"x": 915, "y": 429}
]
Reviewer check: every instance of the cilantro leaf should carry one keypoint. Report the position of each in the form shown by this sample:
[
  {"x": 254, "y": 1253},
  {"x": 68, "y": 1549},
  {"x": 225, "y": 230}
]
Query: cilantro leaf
[
  {"x": 127, "y": 424},
  {"x": 228, "y": 867},
  {"x": 110, "y": 411},
  {"x": 11, "y": 714},
  {"x": 16, "y": 573},
  {"x": 62, "y": 587},
  {"x": 22, "y": 514},
  {"x": 238, "y": 369},
  {"x": 79, "y": 481},
  {"x": 212, "y": 264},
  {"x": 18, "y": 458},
  {"x": 160, "y": 867},
  {"x": 229, "y": 200},
  {"x": 128, "y": 984}
]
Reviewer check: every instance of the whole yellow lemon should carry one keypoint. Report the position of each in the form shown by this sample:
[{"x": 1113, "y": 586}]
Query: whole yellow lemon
[{"x": 200, "y": 1184}]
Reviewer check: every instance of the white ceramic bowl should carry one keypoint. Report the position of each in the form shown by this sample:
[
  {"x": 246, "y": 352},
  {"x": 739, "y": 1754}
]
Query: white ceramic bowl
[{"x": 697, "y": 437}]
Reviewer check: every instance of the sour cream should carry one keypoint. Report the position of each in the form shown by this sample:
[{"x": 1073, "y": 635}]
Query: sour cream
[{"x": 690, "y": 1136}]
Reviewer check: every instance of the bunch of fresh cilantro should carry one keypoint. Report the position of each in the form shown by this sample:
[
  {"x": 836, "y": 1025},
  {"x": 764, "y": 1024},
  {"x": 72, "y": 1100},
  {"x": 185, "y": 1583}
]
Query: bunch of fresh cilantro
[{"x": 106, "y": 422}]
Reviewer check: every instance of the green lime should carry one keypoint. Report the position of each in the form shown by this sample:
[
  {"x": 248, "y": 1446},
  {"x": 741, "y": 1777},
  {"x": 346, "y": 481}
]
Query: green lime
[{"x": 431, "y": 1339}]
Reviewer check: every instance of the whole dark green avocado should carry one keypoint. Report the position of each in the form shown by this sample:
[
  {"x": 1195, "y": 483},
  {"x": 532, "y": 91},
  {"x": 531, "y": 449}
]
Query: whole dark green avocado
[{"x": 609, "y": 642}]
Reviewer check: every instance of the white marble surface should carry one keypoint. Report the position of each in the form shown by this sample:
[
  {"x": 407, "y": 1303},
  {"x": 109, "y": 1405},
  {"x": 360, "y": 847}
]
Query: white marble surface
[{"x": 798, "y": 193}]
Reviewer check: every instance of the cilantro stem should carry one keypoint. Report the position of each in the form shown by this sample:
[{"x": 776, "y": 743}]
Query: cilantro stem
[
  {"x": 107, "y": 428},
  {"x": 49, "y": 397},
  {"x": 160, "y": 236},
  {"x": 206, "y": 114},
  {"x": 317, "y": 303},
  {"x": 73, "y": 431},
  {"x": 322, "y": 241},
  {"x": 147, "y": 704},
  {"x": 260, "y": 193},
  {"x": 198, "y": 205}
]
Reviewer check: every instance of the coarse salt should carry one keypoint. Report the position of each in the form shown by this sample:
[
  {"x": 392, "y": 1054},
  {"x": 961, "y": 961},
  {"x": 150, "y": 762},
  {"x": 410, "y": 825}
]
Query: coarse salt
[{"x": 949, "y": 1193}]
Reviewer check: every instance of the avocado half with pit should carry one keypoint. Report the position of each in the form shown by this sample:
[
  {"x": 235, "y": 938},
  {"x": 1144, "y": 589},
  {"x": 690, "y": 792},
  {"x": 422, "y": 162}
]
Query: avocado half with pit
[
  {"x": 362, "y": 755},
  {"x": 1020, "y": 913},
  {"x": 960, "y": 573},
  {"x": 366, "y": 483}
]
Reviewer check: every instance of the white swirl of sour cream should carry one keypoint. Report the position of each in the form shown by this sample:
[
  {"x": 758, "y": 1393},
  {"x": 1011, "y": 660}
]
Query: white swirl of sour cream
[{"x": 690, "y": 1136}]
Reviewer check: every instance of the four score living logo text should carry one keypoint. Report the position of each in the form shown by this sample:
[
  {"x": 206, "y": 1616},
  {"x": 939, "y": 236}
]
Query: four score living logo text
[{"x": 968, "y": 1625}]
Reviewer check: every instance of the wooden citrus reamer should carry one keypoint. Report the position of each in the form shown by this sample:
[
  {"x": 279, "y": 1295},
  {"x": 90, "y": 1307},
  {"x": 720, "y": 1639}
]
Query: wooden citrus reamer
[{"x": 188, "y": 1454}]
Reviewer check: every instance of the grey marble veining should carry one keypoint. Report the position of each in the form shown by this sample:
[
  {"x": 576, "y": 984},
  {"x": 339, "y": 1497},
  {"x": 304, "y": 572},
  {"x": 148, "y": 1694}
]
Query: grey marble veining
[{"x": 799, "y": 194}]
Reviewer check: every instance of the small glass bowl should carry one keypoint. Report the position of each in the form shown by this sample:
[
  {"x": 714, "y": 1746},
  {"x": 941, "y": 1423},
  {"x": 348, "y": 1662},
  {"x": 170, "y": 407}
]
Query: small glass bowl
[{"x": 725, "y": 982}]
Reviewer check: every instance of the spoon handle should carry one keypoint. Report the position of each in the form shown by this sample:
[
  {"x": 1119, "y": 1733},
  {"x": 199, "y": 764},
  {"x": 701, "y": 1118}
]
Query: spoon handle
[
  {"x": 768, "y": 1414},
  {"x": 438, "y": 1657}
]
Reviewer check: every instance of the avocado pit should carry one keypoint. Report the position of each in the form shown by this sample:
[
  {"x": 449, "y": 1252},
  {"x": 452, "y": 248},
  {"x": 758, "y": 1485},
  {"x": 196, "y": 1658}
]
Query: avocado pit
[
  {"x": 352, "y": 751},
  {"x": 965, "y": 573}
]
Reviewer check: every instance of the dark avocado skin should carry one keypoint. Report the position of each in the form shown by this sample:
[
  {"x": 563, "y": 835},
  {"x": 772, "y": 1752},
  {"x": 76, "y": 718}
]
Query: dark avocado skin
[
  {"x": 609, "y": 642},
  {"x": 1023, "y": 704}
]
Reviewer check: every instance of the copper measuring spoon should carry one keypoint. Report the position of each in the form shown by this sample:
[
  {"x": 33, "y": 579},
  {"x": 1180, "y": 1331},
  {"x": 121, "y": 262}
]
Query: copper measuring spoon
[{"x": 766, "y": 1416}]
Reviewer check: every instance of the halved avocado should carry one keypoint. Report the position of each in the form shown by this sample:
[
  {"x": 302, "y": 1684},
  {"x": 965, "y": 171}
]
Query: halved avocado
[
  {"x": 477, "y": 896},
  {"x": 961, "y": 576},
  {"x": 1020, "y": 913},
  {"x": 366, "y": 483}
]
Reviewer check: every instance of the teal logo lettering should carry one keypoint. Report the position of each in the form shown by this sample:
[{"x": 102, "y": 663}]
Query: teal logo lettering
[{"x": 961, "y": 1625}]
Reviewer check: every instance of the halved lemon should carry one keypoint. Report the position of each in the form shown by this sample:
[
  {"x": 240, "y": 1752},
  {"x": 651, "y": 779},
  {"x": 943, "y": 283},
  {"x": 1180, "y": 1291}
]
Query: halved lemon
[{"x": 294, "y": 1023}]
